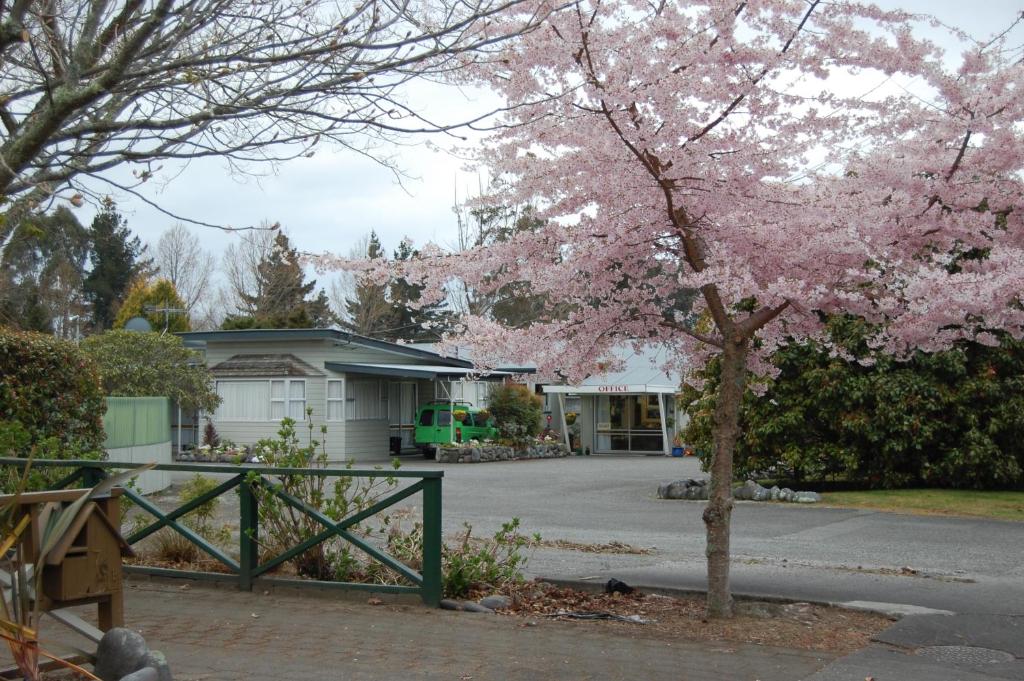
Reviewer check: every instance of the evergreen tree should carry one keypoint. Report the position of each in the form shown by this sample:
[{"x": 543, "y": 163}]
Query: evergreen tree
[
  {"x": 425, "y": 323},
  {"x": 116, "y": 258},
  {"x": 41, "y": 274},
  {"x": 369, "y": 311},
  {"x": 161, "y": 297},
  {"x": 281, "y": 294}
]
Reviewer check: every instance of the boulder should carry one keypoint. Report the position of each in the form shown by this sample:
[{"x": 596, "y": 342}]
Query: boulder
[
  {"x": 470, "y": 606},
  {"x": 496, "y": 602},
  {"x": 158, "y": 661},
  {"x": 144, "y": 674},
  {"x": 121, "y": 652},
  {"x": 773, "y": 493},
  {"x": 807, "y": 497}
]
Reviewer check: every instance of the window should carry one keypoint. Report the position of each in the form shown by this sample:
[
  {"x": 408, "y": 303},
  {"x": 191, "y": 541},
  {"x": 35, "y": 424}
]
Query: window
[
  {"x": 335, "y": 400},
  {"x": 427, "y": 417},
  {"x": 243, "y": 401},
  {"x": 261, "y": 400},
  {"x": 288, "y": 398},
  {"x": 364, "y": 401}
]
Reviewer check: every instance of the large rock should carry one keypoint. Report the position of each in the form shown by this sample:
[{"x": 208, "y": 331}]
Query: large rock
[
  {"x": 807, "y": 497},
  {"x": 684, "y": 489},
  {"x": 745, "y": 492},
  {"x": 120, "y": 653},
  {"x": 144, "y": 674},
  {"x": 470, "y": 606},
  {"x": 156, "y": 660},
  {"x": 496, "y": 602}
]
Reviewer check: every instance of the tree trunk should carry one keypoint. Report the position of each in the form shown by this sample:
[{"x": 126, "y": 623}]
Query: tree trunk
[{"x": 718, "y": 512}]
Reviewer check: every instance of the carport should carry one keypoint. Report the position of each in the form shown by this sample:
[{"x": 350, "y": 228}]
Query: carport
[{"x": 404, "y": 382}]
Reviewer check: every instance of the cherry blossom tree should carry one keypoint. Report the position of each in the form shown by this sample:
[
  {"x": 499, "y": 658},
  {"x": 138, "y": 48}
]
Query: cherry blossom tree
[{"x": 788, "y": 159}]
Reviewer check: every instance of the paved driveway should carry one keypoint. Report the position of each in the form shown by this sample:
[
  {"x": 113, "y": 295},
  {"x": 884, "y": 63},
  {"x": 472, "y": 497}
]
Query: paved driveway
[{"x": 800, "y": 551}]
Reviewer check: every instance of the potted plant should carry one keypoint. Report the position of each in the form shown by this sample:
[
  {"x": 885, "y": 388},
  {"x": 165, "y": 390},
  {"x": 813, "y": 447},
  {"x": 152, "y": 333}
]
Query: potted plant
[{"x": 677, "y": 445}]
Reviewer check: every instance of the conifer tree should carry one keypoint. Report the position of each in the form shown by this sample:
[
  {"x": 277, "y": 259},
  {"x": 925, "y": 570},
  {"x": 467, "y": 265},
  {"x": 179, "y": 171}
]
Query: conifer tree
[{"x": 117, "y": 258}]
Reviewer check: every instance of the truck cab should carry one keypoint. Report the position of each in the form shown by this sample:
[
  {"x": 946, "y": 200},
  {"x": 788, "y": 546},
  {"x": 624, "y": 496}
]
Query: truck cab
[{"x": 442, "y": 422}]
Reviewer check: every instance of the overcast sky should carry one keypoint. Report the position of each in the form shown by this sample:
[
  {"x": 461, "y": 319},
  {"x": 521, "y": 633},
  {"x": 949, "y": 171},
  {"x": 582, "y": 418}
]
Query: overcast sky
[{"x": 328, "y": 202}]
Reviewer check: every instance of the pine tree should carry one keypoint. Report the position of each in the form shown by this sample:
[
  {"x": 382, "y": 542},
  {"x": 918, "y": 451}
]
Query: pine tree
[
  {"x": 369, "y": 311},
  {"x": 117, "y": 258},
  {"x": 281, "y": 298},
  {"x": 425, "y": 323}
]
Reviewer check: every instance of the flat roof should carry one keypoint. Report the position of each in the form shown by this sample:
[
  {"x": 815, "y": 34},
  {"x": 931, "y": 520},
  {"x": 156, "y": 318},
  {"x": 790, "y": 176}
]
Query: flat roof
[
  {"x": 336, "y": 335},
  {"x": 432, "y": 372},
  {"x": 641, "y": 373}
]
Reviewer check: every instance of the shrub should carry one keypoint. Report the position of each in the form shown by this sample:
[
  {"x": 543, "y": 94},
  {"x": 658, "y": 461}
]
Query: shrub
[
  {"x": 173, "y": 547},
  {"x": 516, "y": 410},
  {"x": 210, "y": 436},
  {"x": 135, "y": 364},
  {"x": 471, "y": 563},
  {"x": 51, "y": 403},
  {"x": 494, "y": 563},
  {"x": 947, "y": 419},
  {"x": 282, "y": 527}
]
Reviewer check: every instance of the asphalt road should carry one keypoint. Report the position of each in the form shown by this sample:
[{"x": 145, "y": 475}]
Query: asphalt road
[{"x": 795, "y": 551}]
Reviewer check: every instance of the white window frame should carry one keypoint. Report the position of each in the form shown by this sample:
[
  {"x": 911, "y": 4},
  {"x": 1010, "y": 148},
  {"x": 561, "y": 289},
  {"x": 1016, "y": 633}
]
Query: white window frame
[
  {"x": 286, "y": 400},
  {"x": 334, "y": 400},
  {"x": 269, "y": 383}
]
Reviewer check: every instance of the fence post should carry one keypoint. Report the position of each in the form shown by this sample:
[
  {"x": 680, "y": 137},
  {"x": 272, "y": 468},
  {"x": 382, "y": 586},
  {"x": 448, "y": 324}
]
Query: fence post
[
  {"x": 92, "y": 476},
  {"x": 248, "y": 534},
  {"x": 432, "y": 541}
]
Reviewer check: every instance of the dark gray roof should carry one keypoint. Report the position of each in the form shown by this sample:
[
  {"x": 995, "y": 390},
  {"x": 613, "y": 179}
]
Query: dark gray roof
[
  {"x": 336, "y": 335},
  {"x": 252, "y": 366}
]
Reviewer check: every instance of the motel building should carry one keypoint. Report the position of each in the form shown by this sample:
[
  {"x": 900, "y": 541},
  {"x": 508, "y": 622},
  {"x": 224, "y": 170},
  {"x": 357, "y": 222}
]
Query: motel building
[{"x": 631, "y": 411}]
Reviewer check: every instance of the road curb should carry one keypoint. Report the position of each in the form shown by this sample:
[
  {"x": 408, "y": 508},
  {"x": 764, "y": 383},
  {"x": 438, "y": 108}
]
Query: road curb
[{"x": 893, "y": 610}]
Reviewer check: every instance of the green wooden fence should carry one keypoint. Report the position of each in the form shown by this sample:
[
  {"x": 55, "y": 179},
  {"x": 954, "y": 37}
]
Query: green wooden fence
[{"x": 427, "y": 583}]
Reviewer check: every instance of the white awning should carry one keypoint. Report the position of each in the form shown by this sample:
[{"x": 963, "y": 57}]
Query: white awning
[
  {"x": 612, "y": 389},
  {"x": 641, "y": 373}
]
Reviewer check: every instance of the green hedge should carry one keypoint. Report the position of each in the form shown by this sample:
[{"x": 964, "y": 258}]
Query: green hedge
[
  {"x": 51, "y": 403},
  {"x": 947, "y": 419}
]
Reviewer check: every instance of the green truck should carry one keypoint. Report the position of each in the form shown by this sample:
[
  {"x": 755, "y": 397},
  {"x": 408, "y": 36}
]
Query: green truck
[{"x": 435, "y": 425}]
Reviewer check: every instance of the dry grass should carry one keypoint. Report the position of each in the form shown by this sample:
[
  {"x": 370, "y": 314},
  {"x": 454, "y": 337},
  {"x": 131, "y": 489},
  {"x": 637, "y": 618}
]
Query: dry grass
[
  {"x": 610, "y": 547},
  {"x": 797, "y": 625}
]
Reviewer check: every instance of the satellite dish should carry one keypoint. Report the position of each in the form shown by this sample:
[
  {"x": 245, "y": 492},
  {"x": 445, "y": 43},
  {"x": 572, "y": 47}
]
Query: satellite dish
[{"x": 139, "y": 324}]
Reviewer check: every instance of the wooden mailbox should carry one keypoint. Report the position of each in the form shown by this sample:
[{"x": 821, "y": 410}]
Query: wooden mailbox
[{"x": 85, "y": 566}]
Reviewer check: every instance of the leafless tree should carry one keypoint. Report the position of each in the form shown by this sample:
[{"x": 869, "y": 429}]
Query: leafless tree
[
  {"x": 87, "y": 86},
  {"x": 241, "y": 266},
  {"x": 180, "y": 257}
]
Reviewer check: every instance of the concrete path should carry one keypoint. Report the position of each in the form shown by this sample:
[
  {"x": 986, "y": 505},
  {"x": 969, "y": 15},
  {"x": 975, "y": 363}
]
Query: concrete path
[
  {"x": 968, "y": 567},
  {"x": 215, "y": 634}
]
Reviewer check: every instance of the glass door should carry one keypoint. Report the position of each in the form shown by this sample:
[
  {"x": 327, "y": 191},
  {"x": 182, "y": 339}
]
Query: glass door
[
  {"x": 402, "y": 412},
  {"x": 630, "y": 423}
]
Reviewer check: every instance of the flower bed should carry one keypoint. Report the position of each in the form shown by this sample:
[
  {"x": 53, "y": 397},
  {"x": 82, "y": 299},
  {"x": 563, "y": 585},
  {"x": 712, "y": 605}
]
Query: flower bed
[{"x": 482, "y": 453}]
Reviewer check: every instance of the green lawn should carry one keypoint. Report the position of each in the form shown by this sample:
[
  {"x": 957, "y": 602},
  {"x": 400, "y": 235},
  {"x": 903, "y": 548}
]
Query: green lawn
[{"x": 999, "y": 505}]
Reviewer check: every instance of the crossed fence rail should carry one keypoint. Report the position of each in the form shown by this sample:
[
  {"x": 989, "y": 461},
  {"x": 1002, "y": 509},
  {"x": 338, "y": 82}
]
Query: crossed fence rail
[{"x": 248, "y": 478}]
